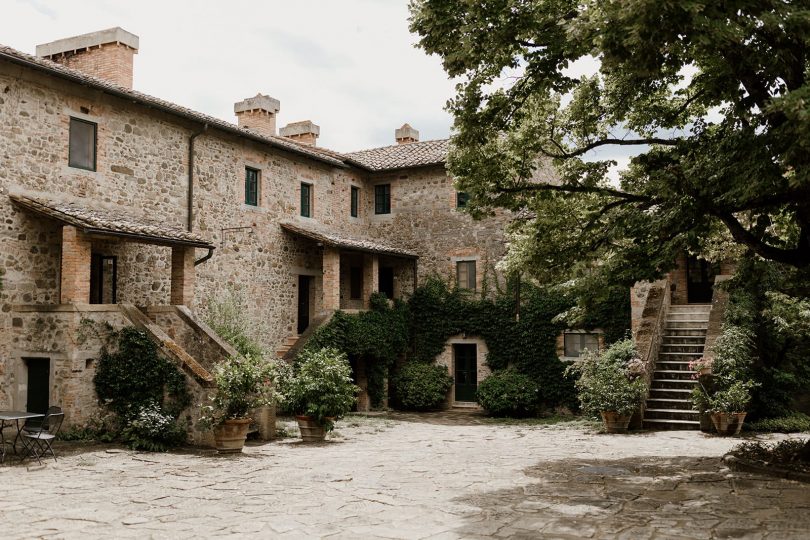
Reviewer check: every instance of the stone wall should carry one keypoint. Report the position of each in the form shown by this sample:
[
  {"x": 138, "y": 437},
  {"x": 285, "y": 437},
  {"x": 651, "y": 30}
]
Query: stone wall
[{"x": 446, "y": 358}]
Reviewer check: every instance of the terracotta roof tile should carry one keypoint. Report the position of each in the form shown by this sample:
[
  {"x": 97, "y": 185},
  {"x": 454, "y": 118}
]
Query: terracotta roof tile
[
  {"x": 401, "y": 156},
  {"x": 102, "y": 221},
  {"x": 340, "y": 240}
]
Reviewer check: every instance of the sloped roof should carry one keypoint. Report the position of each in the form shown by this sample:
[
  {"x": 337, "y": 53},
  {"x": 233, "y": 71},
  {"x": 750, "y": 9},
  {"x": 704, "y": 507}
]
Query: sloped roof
[
  {"x": 107, "y": 222},
  {"x": 340, "y": 240},
  {"x": 59, "y": 70},
  {"x": 401, "y": 156}
]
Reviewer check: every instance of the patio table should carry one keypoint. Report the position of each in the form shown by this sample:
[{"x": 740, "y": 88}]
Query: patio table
[{"x": 12, "y": 417}]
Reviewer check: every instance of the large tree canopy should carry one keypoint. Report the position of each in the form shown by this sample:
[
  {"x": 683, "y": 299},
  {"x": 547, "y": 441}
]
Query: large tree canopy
[{"x": 713, "y": 97}]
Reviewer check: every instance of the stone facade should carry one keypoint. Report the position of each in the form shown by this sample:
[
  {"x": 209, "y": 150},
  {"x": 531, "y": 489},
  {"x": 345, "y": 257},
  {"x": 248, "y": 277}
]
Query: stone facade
[
  {"x": 142, "y": 162},
  {"x": 447, "y": 359}
]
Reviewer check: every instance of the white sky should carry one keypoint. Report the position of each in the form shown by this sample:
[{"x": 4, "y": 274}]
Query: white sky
[{"x": 350, "y": 66}]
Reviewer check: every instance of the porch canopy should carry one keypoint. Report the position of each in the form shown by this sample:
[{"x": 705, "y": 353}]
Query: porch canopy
[
  {"x": 333, "y": 242},
  {"x": 82, "y": 224}
]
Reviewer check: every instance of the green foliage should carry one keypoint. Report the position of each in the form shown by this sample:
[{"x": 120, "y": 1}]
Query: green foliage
[
  {"x": 320, "y": 386},
  {"x": 528, "y": 344},
  {"x": 611, "y": 381},
  {"x": 793, "y": 423},
  {"x": 377, "y": 337},
  {"x": 153, "y": 430},
  {"x": 509, "y": 393},
  {"x": 228, "y": 319},
  {"x": 243, "y": 383},
  {"x": 714, "y": 184},
  {"x": 135, "y": 375},
  {"x": 420, "y": 386},
  {"x": 791, "y": 453},
  {"x": 733, "y": 398},
  {"x": 102, "y": 428}
]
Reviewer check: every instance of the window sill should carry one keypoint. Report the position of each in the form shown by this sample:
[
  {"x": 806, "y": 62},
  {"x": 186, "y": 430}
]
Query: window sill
[{"x": 252, "y": 208}]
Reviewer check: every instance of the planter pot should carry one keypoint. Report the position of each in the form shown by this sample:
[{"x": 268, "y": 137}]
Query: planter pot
[
  {"x": 704, "y": 372},
  {"x": 231, "y": 434},
  {"x": 615, "y": 422},
  {"x": 728, "y": 423},
  {"x": 311, "y": 431},
  {"x": 706, "y": 424}
]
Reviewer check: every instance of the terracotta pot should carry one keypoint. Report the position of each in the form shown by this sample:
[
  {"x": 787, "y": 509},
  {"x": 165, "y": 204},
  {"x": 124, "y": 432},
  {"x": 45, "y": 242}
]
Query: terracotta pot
[
  {"x": 728, "y": 423},
  {"x": 311, "y": 430},
  {"x": 231, "y": 434},
  {"x": 615, "y": 422},
  {"x": 706, "y": 424},
  {"x": 704, "y": 372}
]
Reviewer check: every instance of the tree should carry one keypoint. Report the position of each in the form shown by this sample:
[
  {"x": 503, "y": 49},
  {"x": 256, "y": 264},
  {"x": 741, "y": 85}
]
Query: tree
[{"x": 712, "y": 98}]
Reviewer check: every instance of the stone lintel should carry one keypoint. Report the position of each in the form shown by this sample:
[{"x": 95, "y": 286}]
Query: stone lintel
[
  {"x": 259, "y": 102},
  {"x": 300, "y": 128},
  {"x": 87, "y": 41}
]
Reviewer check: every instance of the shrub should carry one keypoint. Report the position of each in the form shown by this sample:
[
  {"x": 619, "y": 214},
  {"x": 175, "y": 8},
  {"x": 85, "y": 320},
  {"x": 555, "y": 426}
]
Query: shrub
[
  {"x": 153, "y": 430},
  {"x": 610, "y": 381},
  {"x": 243, "y": 384},
  {"x": 793, "y": 423},
  {"x": 321, "y": 386},
  {"x": 733, "y": 399},
  {"x": 226, "y": 316},
  {"x": 791, "y": 453},
  {"x": 420, "y": 386},
  {"x": 508, "y": 393}
]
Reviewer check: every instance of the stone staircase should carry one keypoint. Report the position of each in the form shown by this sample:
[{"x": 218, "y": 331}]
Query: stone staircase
[
  {"x": 669, "y": 405},
  {"x": 288, "y": 343}
]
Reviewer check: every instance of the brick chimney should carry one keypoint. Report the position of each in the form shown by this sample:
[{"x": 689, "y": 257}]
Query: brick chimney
[
  {"x": 258, "y": 114},
  {"x": 304, "y": 132},
  {"x": 406, "y": 134},
  {"x": 106, "y": 54}
]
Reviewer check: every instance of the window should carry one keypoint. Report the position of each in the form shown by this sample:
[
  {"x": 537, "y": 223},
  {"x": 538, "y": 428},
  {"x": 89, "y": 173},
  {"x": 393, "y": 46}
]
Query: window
[
  {"x": 251, "y": 186},
  {"x": 306, "y": 200},
  {"x": 355, "y": 283},
  {"x": 461, "y": 199},
  {"x": 465, "y": 275},
  {"x": 382, "y": 199},
  {"x": 355, "y": 200},
  {"x": 82, "y": 144},
  {"x": 577, "y": 342}
]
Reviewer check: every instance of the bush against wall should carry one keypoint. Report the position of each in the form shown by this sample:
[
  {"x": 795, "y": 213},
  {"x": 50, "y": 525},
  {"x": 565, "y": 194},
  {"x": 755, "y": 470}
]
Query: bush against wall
[
  {"x": 509, "y": 393},
  {"x": 421, "y": 386},
  {"x": 145, "y": 391},
  {"x": 227, "y": 316}
]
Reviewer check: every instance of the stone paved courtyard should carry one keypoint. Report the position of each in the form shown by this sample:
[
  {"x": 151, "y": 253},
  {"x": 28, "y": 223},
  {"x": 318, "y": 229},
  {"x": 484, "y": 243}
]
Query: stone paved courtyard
[{"x": 408, "y": 476}]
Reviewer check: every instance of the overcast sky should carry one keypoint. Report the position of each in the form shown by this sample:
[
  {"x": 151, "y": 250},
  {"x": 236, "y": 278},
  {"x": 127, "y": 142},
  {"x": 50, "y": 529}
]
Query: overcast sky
[{"x": 350, "y": 66}]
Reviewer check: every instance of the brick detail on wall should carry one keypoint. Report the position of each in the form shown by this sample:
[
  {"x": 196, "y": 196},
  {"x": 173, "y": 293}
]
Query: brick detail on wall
[
  {"x": 112, "y": 62},
  {"x": 75, "y": 275},
  {"x": 371, "y": 277},
  {"x": 331, "y": 279},
  {"x": 182, "y": 276}
]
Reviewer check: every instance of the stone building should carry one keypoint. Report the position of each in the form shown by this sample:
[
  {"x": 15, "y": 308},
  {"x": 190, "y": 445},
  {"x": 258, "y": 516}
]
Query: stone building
[{"x": 123, "y": 208}]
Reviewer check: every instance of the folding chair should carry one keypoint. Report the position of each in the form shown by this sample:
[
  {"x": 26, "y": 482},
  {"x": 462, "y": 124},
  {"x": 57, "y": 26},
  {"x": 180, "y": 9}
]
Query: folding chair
[
  {"x": 36, "y": 425},
  {"x": 38, "y": 444}
]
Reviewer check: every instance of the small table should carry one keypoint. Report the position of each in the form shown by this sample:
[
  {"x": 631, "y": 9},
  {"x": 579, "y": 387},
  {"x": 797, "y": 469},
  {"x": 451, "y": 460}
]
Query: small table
[{"x": 13, "y": 416}]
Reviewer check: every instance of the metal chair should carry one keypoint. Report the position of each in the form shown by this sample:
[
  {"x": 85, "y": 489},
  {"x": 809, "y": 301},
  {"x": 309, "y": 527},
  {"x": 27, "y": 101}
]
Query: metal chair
[
  {"x": 38, "y": 444},
  {"x": 36, "y": 425}
]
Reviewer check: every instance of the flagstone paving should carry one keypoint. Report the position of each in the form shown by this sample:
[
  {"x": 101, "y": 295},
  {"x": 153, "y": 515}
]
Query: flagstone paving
[{"x": 438, "y": 476}]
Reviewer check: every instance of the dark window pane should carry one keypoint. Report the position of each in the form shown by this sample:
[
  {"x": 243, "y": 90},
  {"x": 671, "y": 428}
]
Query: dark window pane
[
  {"x": 82, "y": 147},
  {"x": 382, "y": 199},
  {"x": 355, "y": 200},
  {"x": 251, "y": 186},
  {"x": 577, "y": 342},
  {"x": 355, "y": 283},
  {"x": 465, "y": 275},
  {"x": 306, "y": 200},
  {"x": 461, "y": 199}
]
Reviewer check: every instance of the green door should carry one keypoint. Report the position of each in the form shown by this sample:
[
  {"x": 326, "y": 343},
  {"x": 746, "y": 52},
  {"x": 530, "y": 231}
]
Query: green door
[{"x": 466, "y": 371}]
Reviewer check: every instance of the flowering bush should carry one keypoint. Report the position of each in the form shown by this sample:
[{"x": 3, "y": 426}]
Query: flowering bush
[
  {"x": 321, "y": 386},
  {"x": 508, "y": 393},
  {"x": 729, "y": 388},
  {"x": 153, "y": 430},
  {"x": 611, "y": 381},
  {"x": 244, "y": 383}
]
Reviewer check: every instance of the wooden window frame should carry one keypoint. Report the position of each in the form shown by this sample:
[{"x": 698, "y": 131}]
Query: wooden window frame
[
  {"x": 382, "y": 199},
  {"x": 354, "y": 202},
  {"x": 95, "y": 144},
  {"x": 579, "y": 352},
  {"x": 470, "y": 277},
  {"x": 257, "y": 172},
  {"x": 462, "y": 197},
  {"x": 306, "y": 205}
]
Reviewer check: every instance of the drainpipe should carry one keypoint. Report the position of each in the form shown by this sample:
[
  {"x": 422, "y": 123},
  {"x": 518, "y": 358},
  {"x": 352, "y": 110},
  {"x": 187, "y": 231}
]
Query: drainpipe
[{"x": 190, "y": 196}]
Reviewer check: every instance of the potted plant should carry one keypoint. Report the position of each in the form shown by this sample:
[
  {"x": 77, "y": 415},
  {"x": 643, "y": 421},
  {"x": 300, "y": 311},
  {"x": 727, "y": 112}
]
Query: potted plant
[
  {"x": 319, "y": 391},
  {"x": 702, "y": 367},
  {"x": 611, "y": 384},
  {"x": 243, "y": 383},
  {"x": 726, "y": 406}
]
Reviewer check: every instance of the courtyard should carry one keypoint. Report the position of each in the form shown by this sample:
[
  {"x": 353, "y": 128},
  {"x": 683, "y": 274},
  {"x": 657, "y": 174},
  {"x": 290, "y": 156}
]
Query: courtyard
[{"x": 440, "y": 475}]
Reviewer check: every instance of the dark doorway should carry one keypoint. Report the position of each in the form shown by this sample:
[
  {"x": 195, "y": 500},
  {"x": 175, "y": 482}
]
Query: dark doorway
[
  {"x": 103, "y": 279},
  {"x": 465, "y": 356},
  {"x": 303, "y": 303},
  {"x": 699, "y": 281},
  {"x": 387, "y": 281},
  {"x": 39, "y": 374}
]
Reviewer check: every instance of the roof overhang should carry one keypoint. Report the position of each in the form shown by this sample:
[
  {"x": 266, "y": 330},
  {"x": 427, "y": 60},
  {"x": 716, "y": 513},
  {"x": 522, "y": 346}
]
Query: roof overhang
[{"x": 342, "y": 241}]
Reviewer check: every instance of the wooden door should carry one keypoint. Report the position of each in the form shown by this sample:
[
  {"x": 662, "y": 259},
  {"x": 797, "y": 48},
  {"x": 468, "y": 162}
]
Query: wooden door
[
  {"x": 466, "y": 371},
  {"x": 303, "y": 303}
]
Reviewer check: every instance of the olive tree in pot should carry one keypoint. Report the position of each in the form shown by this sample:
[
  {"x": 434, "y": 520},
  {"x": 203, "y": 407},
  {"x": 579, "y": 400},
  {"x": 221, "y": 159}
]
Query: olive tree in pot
[
  {"x": 611, "y": 384},
  {"x": 243, "y": 383},
  {"x": 319, "y": 391}
]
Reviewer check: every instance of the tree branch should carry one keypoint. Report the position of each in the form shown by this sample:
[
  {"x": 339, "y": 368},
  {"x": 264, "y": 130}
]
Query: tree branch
[
  {"x": 631, "y": 197},
  {"x": 606, "y": 142},
  {"x": 797, "y": 257}
]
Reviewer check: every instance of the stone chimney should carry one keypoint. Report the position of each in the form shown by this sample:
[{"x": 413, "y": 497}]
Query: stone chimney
[
  {"x": 106, "y": 54},
  {"x": 304, "y": 132},
  {"x": 258, "y": 114},
  {"x": 406, "y": 134}
]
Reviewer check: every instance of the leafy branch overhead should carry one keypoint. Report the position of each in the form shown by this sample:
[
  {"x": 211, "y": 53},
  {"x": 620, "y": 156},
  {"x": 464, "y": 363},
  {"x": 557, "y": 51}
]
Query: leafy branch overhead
[{"x": 709, "y": 98}]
